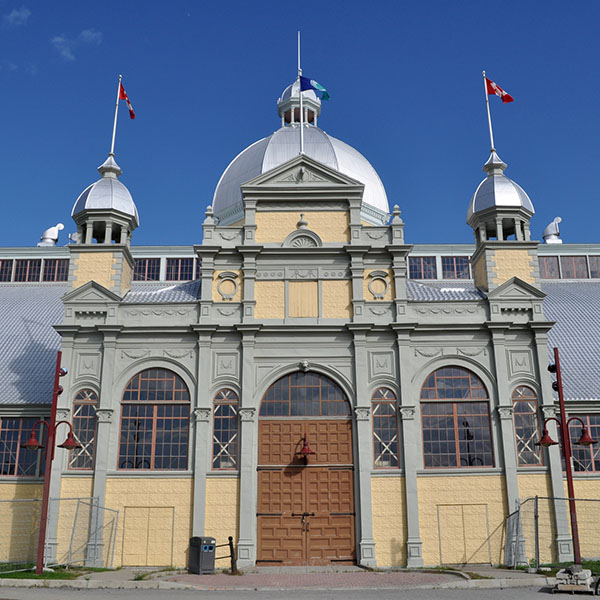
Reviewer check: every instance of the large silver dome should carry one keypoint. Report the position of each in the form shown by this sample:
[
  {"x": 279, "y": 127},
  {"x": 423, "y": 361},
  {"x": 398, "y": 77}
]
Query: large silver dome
[
  {"x": 284, "y": 145},
  {"x": 497, "y": 190},
  {"x": 108, "y": 193}
]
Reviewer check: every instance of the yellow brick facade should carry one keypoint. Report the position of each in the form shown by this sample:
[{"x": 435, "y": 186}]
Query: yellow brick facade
[
  {"x": 222, "y": 512},
  {"x": 336, "y": 297},
  {"x": 126, "y": 276},
  {"x": 274, "y": 227},
  {"x": 389, "y": 520},
  {"x": 19, "y": 521},
  {"x": 512, "y": 263},
  {"x": 378, "y": 286},
  {"x": 588, "y": 515},
  {"x": 270, "y": 299},
  {"x": 94, "y": 266},
  {"x": 227, "y": 287},
  {"x": 462, "y": 518},
  {"x": 155, "y": 520},
  {"x": 479, "y": 273},
  {"x": 531, "y": 485}
]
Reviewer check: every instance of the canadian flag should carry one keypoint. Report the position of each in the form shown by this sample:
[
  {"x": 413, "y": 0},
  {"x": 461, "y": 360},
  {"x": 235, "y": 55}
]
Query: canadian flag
[
  {"x": 494, "y": 88},
  {"x": 123, "y": 96}
]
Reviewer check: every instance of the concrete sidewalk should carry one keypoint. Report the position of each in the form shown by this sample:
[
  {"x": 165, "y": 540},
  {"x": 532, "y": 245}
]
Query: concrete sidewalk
[{"x": 291, "y": 578}]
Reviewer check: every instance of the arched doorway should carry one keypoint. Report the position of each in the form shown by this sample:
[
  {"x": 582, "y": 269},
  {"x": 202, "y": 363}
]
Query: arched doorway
[{"x": 305, "y": 512}]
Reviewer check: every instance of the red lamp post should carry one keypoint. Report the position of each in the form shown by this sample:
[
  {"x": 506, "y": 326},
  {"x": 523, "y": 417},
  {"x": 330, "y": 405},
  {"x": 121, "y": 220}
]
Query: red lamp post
[
  {"x": 584, "y": 440},
  {"x": 33, "y": 444}
]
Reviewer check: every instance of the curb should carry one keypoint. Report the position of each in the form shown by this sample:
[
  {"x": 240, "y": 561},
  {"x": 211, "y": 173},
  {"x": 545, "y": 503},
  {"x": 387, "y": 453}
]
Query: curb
[{"x": 173, "y": 585}]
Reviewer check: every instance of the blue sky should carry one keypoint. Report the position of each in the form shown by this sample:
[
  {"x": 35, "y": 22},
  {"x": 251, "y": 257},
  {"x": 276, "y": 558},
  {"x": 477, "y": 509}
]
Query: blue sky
[{"x": 204, "y": 77}]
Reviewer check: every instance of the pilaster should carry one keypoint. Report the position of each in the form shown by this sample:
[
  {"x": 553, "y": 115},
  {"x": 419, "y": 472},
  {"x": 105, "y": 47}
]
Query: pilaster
[
  {"x": 248, "y": 452},
  {"x": 408, "y": 411},
  {"x": 202, "y": 430},
  {"x": 104, "y": 412},
  {"x": 362, "y": 413}
]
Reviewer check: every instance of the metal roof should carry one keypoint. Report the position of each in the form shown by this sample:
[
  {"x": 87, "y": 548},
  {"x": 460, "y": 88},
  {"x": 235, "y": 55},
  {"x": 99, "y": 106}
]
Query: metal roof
[
  {"x": 28, "y": 342},
  {"x": 108, "y": 193},
  {"x": 442, "y": 291},
  {"x": 575, "y": 306},
  {"x": 498, "y": 190},
  {"x": 284, "y": 145},
  {"x": 161, "y": 292}
]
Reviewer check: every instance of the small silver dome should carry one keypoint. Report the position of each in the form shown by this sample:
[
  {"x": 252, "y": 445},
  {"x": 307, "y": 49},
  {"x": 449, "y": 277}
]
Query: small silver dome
[
  {"x": 282, "y": 146},
  {"x": 108, "y": 193},
  {"x": 291, "y": 91},
  {"x": 498, "y": 190}
]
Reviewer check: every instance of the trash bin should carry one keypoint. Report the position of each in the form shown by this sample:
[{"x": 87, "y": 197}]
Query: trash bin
[{"x": 202, "y": 555}]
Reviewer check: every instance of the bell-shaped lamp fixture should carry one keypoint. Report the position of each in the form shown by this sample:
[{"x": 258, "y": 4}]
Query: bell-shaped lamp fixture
[
  {"x": 546, "y": 440},
  {"x": 586, "y": 438},
  {"x": 70, "y": 443},
  {"x": 32, "y": 443},
  {"x": 305, "y": 451}
]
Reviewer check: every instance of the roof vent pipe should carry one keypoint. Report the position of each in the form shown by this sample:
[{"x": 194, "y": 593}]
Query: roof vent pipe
[
  {"x": 50, "y": 236},
  {"x": 552, "y": 232}
]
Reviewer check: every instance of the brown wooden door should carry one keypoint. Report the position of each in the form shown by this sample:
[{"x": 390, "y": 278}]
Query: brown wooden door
[{"x": 306, "y": 508}]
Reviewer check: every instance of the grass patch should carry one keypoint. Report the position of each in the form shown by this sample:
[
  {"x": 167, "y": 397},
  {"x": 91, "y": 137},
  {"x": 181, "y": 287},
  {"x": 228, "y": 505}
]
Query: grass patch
[
  {"x": 592, "y": 565},
  {"x": 28, "y": 572}
]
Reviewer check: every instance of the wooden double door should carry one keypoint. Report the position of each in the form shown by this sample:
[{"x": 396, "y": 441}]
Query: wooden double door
[{"x": 305, "y": 505}]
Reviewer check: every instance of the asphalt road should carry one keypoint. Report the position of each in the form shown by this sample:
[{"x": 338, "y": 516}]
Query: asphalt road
[{"x": 348, "y": 594}]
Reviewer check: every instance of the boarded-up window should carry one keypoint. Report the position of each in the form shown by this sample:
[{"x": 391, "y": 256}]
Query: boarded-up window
[{"x": 303, "y": 299}]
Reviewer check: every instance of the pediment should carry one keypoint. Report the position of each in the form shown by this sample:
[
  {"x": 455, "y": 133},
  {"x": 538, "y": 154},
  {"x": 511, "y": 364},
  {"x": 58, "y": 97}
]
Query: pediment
[
  {"x": 299, "y": 171},
  {"x": 91, "y": 292},
  {"x": 516, "y": 289}
]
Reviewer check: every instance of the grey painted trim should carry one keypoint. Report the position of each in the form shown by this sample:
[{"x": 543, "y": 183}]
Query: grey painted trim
[
  {"x": 411, "y": 454},
  {"x": 202, "y": 416},
  {"x": 364, "y": 452}
]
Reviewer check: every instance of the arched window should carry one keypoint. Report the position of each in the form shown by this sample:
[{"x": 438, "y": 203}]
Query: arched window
[
  {"x": 456, "y": 420},
  {"x": 225, "y": 430},
  {"x": 526, "y": 426},
  {"x": 385, "y": 429},
  {"x": 84, "y": 429},
  {"x": 155, "y": 422},
  {"x": 304, "y": 395}
]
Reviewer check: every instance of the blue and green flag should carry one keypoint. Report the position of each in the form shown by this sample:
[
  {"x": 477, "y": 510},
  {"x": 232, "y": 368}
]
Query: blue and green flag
[{"x": 311, "y": 84}]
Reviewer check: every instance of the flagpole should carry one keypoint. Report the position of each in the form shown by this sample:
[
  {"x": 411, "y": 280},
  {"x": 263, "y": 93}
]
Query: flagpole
[
  {"x": 300, "y": 94},
  {"x": 112, "y": 145},
  {"x": 487, "y": 103}
]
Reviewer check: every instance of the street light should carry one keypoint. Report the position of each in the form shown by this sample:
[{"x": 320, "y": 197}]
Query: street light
[
  {"x": 33, "y": 444},
  {"x": 563, "y": 428}
]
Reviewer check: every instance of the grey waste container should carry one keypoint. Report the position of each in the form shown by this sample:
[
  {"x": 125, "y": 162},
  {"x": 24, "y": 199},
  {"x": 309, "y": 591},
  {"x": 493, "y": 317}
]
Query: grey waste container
[{"x": 202, "y": 555}]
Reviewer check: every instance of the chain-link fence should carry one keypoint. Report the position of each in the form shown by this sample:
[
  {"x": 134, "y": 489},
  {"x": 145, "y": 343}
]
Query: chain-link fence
[
  {"x": 531, "y": 533},
  {"x": 85, "y": 533}
]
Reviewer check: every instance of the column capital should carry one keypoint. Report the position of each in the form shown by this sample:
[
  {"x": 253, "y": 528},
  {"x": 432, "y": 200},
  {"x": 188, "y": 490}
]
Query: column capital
[
  {"x": 104, "y": 415},
  {"x": 202, "y": 414},
  {"x": 505, "y": 412},
  {"x": 362, "y": 413},
  {"x": 247, "y": 415},
  {"x": 407, "y": 413}
]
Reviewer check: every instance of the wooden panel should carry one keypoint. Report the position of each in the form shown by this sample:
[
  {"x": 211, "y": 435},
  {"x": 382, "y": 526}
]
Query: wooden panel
[
  {"x": 296, "y": 487},
  {"x": 135, "y": 536},
  {"x": 330, "y": 440},
  {"x": 279, "y": 441},
  {"x": 148, "y": 536},
  {"x": 303, "y": 298},
  {"x": 160, "y": 536},
  {"x": 463, "y": 533}
]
